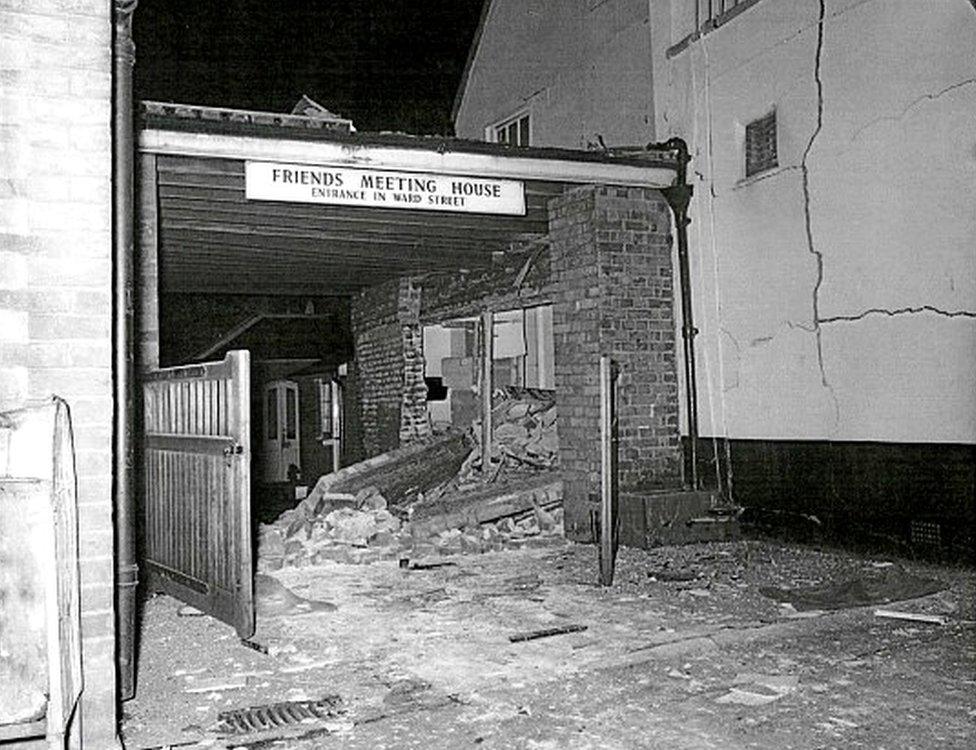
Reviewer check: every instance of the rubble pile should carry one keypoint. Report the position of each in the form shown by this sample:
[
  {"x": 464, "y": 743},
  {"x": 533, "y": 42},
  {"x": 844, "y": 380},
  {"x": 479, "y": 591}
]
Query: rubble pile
[
  {"x": 524, "y": 440},
  {"x": 398, "y": 505},
  {"x": 362, "y": 528}
]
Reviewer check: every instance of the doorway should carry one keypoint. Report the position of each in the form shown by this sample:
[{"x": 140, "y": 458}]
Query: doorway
[{"x": 281, "y": 443}]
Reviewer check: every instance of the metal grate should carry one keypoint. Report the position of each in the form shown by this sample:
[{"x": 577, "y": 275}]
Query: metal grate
[
  {"x": 761, "y": 145},
  {"x": 278, "y": 715},
  {"x": 926, "y": 533}
]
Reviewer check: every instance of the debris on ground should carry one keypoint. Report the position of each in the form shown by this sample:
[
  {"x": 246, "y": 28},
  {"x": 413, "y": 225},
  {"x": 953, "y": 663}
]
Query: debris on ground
[
  {"x": 524, "y": 439},
  {"x": 890, "y": 614},
  {"x": 217, "y": 685},
  {"x": 274, "y": 599},
  {"x": 533, "y": 635},
  {"x": 433, "y": 497},
  {"x": 757, "y": 690},
  {"x": 653, "y": 656},
  {"x": 871, "y": 586}
]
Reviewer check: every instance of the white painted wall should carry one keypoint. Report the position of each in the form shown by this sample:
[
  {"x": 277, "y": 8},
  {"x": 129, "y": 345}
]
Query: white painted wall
[
  {"x": 836, "y": 294},
  {"x": 580, "y": 67},
  {"x": 850, "y": 316}
]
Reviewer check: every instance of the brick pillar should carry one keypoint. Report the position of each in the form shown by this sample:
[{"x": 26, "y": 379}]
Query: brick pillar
[
  {"x": 613, "y": 294},
  {"x": 389, "y": 362},
  {"x": 56, "y": 278},
  {"x": 414, "y": 421}
]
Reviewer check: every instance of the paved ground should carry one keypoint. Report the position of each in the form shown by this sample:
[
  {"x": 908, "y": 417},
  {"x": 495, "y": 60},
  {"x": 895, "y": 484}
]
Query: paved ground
[{"x": 682, "y": 652}]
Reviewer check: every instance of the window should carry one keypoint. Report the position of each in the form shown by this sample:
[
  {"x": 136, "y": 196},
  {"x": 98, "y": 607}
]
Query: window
[
  {"x": 330, "y": 408},
  {"x": 514, "y": 131},
  {"x": 692, "y": 19},
  {"x": 760, "y": 145}
]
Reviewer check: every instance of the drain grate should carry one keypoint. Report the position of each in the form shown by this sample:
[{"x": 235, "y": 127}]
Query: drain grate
[{"x": 278, "y": 715}]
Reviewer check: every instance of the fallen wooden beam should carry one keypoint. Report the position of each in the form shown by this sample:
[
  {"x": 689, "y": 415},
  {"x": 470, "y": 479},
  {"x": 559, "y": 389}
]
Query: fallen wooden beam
[{"x": 545, "y": 633}]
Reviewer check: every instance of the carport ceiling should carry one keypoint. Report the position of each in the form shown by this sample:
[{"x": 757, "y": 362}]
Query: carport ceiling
[{"x": 212, "y": 239}]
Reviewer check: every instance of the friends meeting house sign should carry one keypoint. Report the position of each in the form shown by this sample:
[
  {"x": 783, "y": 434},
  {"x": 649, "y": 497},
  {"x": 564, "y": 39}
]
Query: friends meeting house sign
[{"x": 345, "y": 186}]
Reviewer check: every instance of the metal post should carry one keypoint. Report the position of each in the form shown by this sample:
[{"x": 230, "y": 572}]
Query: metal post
[
  {"x": 487, "y": 358},
  {"x": 608, "y": 471},
  {"x": 678, "y": 197},
  {"x": 126, "y": 575}
]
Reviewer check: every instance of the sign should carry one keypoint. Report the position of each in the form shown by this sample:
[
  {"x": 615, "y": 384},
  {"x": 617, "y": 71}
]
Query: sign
[{"x": 346, "y": 186}]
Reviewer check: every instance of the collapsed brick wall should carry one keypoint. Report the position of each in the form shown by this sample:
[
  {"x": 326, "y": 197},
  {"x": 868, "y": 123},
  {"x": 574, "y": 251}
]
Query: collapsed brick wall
[
  {"x": 56, "y": 280},
  {"x": 388, "y": 342},
  {"x": 607, "y": 271},
  {"x": 611, "y": 283}
]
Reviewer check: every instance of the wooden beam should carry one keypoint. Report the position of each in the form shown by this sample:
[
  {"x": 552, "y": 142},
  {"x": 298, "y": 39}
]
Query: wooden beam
[
  {"x": 399, "y": 158},
  {"x": 179, "y": 245},
  {"x": 388, "y": 221}
]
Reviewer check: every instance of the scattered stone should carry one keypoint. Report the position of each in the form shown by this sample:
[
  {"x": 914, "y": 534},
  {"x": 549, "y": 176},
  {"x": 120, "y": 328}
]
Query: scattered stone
[
  {"x": 757, "y": 690},
  {"x": 382, "y": 539},
  {"x": 351, "y": 526}
]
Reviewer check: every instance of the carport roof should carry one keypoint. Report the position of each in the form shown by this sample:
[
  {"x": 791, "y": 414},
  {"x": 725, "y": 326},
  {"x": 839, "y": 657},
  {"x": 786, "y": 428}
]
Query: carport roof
[{"x": 212, "y": 239}]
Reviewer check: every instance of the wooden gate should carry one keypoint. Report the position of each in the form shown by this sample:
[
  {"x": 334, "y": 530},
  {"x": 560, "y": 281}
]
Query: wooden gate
[{"x": 197, "y": 480}]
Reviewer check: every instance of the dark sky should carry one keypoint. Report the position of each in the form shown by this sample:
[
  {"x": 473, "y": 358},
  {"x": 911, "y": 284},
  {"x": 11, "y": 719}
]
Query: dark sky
[{"x": 386, "y": 64}]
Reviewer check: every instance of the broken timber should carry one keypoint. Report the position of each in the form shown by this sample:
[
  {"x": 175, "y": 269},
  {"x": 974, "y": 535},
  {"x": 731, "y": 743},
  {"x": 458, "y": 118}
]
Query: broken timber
[{"x": 545, "y": 633}]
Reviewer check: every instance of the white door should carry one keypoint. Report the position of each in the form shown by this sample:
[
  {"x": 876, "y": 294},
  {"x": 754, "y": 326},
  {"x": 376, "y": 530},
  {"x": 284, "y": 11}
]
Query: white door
[
  {"x": 282, "y": 446},
  {"x": 330, "y": 418}
]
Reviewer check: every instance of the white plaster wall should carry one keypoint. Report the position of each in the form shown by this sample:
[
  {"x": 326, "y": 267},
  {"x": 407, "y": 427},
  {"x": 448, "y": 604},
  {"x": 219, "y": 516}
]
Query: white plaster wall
[
  {"x": 580, "y": 67},
  {"x": 843, "y": 308}
]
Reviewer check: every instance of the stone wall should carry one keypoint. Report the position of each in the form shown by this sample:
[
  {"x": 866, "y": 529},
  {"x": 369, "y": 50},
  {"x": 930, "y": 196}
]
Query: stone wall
[
  {"x": 611, "y": 285},
  {"x": 56, "y": 277}
]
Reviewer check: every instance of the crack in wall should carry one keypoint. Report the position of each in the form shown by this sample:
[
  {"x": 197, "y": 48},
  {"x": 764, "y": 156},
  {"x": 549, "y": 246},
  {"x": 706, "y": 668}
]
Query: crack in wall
[
  {"x": 805, "y": 174},
  {"x": 900, "y": 311},
  {"x": 807, "y": 218},
  {"x": 914, "y": 103}
]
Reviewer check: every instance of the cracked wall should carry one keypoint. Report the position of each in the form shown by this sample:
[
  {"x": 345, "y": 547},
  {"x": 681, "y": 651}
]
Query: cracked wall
[{"x": 836, "y": 293}]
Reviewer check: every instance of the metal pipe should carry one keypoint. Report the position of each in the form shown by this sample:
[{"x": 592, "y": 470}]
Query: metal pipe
[
  {"x": 678, "y": 197},
  {"x": 608, "y": 471},
  {"x": 126, "y": 570}
]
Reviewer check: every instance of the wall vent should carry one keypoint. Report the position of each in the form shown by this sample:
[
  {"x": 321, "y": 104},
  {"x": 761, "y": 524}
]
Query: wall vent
[
  {"x": 926, "y": 534},
  {"x": 760, "y": 145}
]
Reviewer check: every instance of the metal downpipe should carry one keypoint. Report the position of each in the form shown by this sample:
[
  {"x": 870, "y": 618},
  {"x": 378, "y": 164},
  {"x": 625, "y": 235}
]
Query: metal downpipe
[
  {"x": 678, "y": 197},
  {"x": 126, "y": 570}
]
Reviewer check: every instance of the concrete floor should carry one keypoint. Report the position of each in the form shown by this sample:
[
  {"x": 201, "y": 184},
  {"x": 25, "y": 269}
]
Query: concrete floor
[{"x": 683, "y": 651}]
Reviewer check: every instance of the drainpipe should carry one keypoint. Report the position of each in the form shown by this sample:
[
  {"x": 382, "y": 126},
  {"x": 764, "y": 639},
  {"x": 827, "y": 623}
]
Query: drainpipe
[
  {"x": 126, "y": 570},
  {"x": 678, "y": 197}
]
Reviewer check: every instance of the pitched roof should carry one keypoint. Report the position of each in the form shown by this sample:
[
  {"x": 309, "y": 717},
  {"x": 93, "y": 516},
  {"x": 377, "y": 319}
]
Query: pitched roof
[{"x": 472, "y": 51}]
